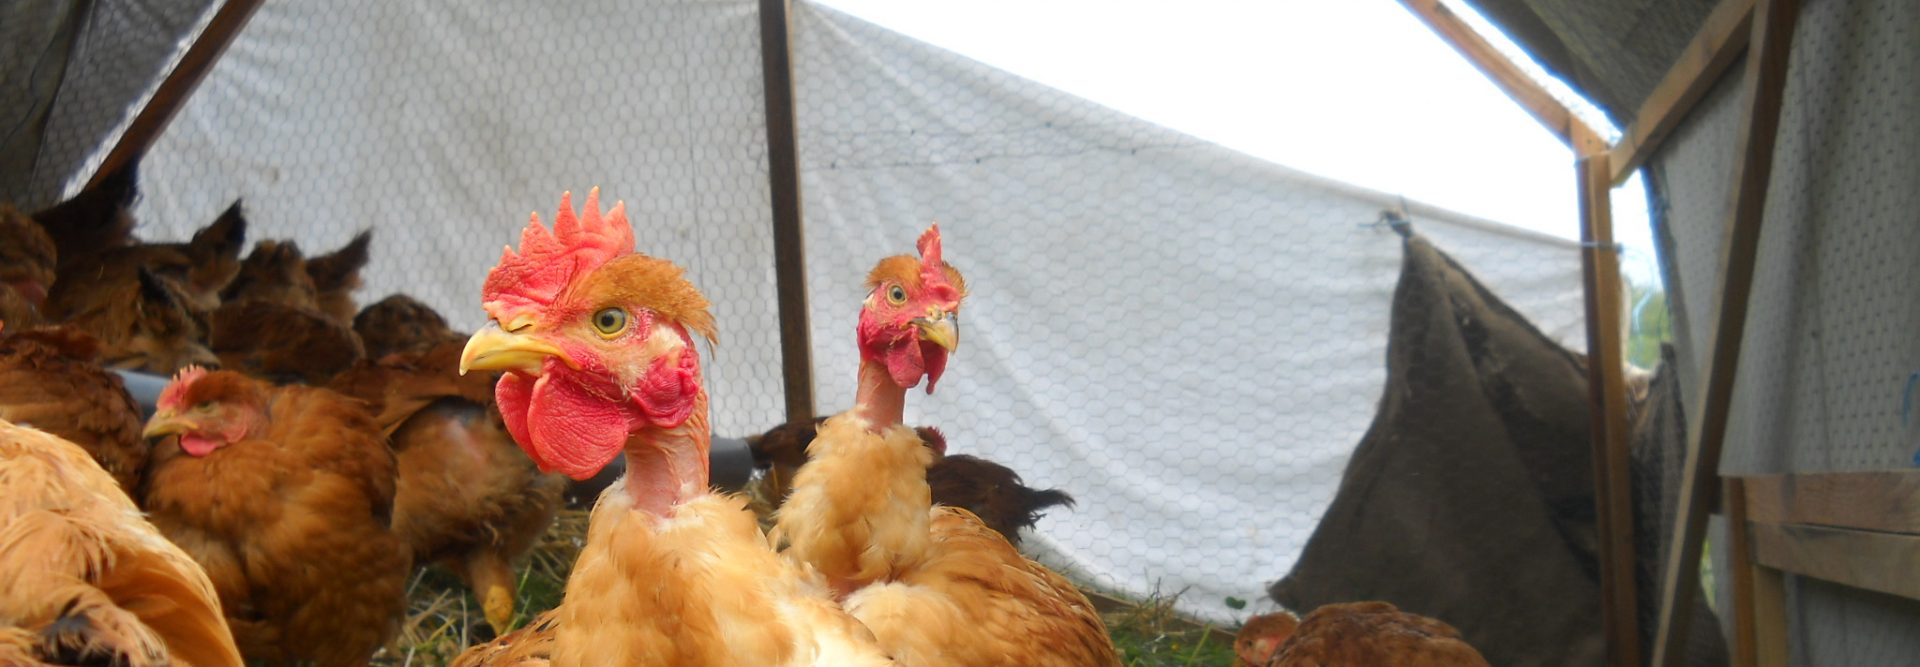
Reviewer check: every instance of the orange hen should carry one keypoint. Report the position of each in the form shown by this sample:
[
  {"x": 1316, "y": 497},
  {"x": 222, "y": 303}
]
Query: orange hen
[
  {"x": 90, "y": 582},
  {"x": 1362, "y": 634},
  {"x": 285, "y": 495},
  {"x": 935, "y": 584}
]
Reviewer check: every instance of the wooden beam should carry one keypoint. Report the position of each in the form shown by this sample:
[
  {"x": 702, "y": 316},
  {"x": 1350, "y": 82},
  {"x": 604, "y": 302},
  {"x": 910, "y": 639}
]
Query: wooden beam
[
  {"x": 1508, "y": 76},
  {"x": 1870, "y": 560},
  {"x": 1607, "y": 387},
  {"x": 1720, "y": 41},
  {"x": 1884, "y": 501},
  {"x": 1765, "y": 75},
  {"x": 789, "y": 239},
  {"x": 178, "y": 86},
  {"x": 1769, "y": 617}
]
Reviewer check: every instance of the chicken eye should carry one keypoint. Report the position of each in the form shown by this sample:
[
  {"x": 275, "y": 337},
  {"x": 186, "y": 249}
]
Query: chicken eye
[
  {"x": 204, "y": 406},
  {"x": 897, "y": 295},
  {"x": 610, "y": 321}
]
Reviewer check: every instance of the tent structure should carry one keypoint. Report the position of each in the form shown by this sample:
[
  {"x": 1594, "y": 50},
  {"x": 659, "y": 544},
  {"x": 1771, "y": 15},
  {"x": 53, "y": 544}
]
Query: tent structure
[{"x": 1186, "y": 338}]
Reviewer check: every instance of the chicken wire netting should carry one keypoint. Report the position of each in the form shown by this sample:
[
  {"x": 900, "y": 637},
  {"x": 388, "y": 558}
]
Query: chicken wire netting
[
  {"x": 440, "y": 126},
  {"x": 1188, "y": 340}
]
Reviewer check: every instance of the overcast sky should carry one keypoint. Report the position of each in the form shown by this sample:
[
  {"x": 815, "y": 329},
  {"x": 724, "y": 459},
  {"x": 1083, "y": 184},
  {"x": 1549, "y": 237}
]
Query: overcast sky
[{"x": 1356, "y": 90}]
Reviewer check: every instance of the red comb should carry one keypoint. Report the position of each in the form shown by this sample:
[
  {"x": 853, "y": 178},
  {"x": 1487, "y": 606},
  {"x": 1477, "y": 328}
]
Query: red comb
[
  {"x": 929, "y": 246},
  {"x": 175, "y": 395},
  {"x": 547, "y": 261}
]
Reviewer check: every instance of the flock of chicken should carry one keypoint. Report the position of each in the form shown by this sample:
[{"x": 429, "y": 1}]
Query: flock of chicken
[{"x": 274, "y": 509}]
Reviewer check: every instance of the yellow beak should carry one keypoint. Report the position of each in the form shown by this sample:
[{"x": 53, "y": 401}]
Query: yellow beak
[
  {"x": 495, "y": 349},
  {"x": 166, "y": 423},
  {"x": 940, "y": 327}
]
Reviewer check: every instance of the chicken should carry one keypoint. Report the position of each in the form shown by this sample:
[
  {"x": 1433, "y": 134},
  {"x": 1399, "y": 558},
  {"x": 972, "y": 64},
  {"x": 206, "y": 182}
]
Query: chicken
[
  {"x": 270, "y": 324},
  {"x": 336, "y": 275},
  {"x": 597, "y": 343},
  {"x": 1362, "y": 634},
  {"x": 1261, "y": 637},
  {"x": 935, "y": 584},
  {"x": 141, "y": 325},
  {"x": 467, "y": 496},
  {"x": 27, "y": 260},
  {"x": 96, "y": 220},
  {"x": 48, "y": 380},
  {"x": 285, "y": 496},
  {"x": 991, "y": 491},
  {"x": 399, "y": 323},
  {"x": 149, "y": 304},
  {"x": 89, "y": 581}
]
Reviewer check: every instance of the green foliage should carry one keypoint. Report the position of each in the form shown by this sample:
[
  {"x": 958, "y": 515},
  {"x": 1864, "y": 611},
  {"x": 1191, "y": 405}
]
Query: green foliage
[
  {"x": 1651, "y": 324},
  {"x": 1150, "y": 634}
]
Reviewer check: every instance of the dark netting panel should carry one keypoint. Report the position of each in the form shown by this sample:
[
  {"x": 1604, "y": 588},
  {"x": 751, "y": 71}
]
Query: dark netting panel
[
  {"x": 440, "y": 126},
  {"x": 1188, "y": 340},
  {"x": 76, "y": 72}
]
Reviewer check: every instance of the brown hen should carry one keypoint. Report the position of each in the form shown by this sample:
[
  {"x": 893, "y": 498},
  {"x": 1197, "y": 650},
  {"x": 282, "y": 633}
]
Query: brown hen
[
  {"x": 468, "y": 497},
  {"x": 89, "y": 581},
  {"x": 49, "y": 380},
  {"x": 399, "y": 323},
  {"x": 270, "y": 325},
  {"x": 1364, "y": 634},
  {"x": 140, "y": 322},
  {"x": 285, "y": 496},
  {"x": 27, "y": 260},
  {"x": 96, "y": 220},
  {"x": 336, "y": 275}
]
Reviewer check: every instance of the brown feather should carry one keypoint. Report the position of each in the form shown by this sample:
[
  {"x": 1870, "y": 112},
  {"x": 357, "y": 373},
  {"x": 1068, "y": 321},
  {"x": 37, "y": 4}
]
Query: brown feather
[
  {"x": 49, "y": 380},
  {"x": 1374, "y": 633}
]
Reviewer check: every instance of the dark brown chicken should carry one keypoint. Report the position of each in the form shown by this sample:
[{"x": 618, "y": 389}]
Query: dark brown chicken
[
  {"x": 988, "y": 489},
  {"x": 336, "y": 275},
  {"x": 141, "y": 324},
  {"x": 399, "y": 323},
  {"x": 285, "y": 496},
  {"x": 49, "y": 380},
  {"x": 194, "y": 271},
  {"x": 468, "y": 497},
  {"x": 269, "y": 324},
  {"x": 94, "y": 221}
]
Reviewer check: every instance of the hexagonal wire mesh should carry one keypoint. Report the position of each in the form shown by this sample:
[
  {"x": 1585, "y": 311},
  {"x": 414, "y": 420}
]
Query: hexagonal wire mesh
[{"x": 1187, "y": 339}]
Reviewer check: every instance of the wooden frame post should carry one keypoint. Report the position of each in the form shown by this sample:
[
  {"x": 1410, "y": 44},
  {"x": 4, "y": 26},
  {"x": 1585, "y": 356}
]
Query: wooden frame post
[
  {"x": 1606, "y": 382},
  {"x": 1773, "y": 23},
  {"x": 178, "y": 86},
  {"x": 1529, "y": 94},
  {"x": 1712, "y": 51},
  {"x": 789, "y": 241}
]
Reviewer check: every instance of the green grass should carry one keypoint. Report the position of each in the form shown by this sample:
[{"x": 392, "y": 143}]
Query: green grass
[{"x": 1151, "y": 634}]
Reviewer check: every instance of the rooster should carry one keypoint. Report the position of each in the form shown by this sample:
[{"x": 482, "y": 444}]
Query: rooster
[
  {"x": 597, "y": 342},
  {"x": 285, "y": 495},
  {"x": 992, "y": 491},
  {"x": 90, "y": 582},
  {"x": 935, "y": 584}
]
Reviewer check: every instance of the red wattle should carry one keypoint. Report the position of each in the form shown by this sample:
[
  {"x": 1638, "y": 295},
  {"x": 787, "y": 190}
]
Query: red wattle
[
  {"x": 574, "y": 432},
  {"x": 665, "y": 395},
  {"x": 905, "y": 364},
  {"x": 197, "y": 445},
  {"x": 935, "y": 360},
  {"x": 514, "y": 393}
]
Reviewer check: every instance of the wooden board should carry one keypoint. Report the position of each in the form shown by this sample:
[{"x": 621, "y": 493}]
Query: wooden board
[
  {"x": 1606, "y": 384},
  {"x": 1883, "y": 501},
  {"x": 1721, "y": 40},
  {"x": 789, "y": 238},
  {"x": 1883, "y": 562},
  {"x": 1773, "y": 25},
  {"x": 1508, "y": 76}
]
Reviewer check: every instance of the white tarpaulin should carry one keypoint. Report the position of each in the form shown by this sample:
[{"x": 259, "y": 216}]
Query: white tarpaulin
[{"x": 1187, "y": 339}]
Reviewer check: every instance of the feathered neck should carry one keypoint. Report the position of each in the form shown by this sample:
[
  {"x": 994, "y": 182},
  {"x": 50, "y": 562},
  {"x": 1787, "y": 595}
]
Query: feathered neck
[
  {"x": 668, "y": 467},
  {"x": 879, "y": 400}
]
